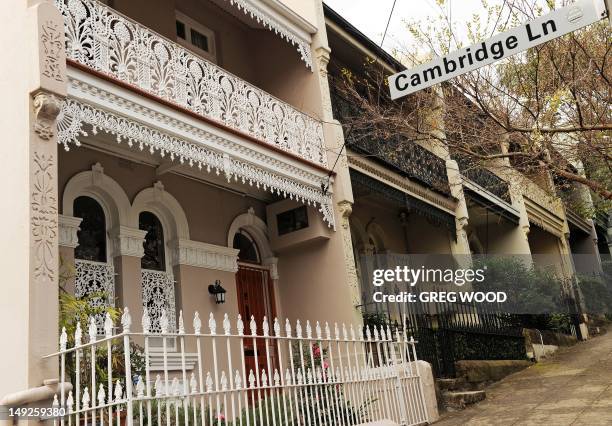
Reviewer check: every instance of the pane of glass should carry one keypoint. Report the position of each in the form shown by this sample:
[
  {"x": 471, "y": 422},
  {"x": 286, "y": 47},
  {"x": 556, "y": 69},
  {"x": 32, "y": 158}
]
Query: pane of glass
[
  {"x": 92, "y": 233},
  {"x": 180, "y": 29},
  {"x": 199, "y": 40},
  {"x": 292, "y": 220},
  {"x": 247, "y": 247},
  {"x": 154, "y": 253}
]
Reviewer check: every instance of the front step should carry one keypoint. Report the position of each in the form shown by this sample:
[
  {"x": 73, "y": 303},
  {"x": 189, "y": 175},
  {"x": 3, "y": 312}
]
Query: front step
[
  {"x": 459, "y": 400},
  {"x": 451, "y": 384}
]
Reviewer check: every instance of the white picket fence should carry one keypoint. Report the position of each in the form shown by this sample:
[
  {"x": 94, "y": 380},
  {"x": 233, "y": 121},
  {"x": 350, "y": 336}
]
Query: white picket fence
[{"x": 323, "y": 377}]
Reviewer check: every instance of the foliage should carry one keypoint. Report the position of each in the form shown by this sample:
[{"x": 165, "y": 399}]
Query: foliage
[
  {"x": 259, "y": 413},
  {"x": 303, "y": 361},
  {"x": 474, "y": 346},
  {"x": 73, "y": 311},
  {"x": 550, "y": 106},
  {"x": 374, "y": 319},
  {"x": 597, "y": 295},
  {"x": 535, "y": 294}
]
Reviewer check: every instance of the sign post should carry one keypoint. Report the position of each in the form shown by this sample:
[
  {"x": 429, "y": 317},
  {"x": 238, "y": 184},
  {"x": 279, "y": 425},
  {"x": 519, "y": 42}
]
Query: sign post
[{"x": 532, "y": 33}]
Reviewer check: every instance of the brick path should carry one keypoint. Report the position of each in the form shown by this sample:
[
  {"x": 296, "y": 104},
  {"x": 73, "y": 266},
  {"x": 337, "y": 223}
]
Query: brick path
[{"x": 573, "y": 388}]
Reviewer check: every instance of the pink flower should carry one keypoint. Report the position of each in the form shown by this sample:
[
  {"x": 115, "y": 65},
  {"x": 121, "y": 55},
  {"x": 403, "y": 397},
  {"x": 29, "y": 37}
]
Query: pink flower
[
  {"x": 325, "y": 364},
  {"x": 221, "y": 417},
  {"x": 316, "y": 350}
]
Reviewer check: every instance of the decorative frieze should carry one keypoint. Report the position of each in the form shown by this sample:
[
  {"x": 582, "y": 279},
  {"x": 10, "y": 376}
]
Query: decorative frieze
[
  {"x": 544, "y": 218},
  {"x": 76, "y": 114},
  {"x": 68, "y": 229},
  {"x": 127, "y": 241},
  {"x": 255, "y": 10},
  {"x": 204, "y": 255}
]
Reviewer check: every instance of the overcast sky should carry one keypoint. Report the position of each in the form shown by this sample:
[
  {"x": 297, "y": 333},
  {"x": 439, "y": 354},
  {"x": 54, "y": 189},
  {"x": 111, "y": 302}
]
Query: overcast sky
[{"x": 370, "y": 16}]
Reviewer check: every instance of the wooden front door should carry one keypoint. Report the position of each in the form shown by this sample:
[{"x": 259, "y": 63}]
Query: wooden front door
[{"x": 256, "y": 298}]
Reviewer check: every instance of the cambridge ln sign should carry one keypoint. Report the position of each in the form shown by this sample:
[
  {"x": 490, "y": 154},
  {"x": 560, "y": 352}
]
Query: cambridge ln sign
[{"x": 530, "y": 34}]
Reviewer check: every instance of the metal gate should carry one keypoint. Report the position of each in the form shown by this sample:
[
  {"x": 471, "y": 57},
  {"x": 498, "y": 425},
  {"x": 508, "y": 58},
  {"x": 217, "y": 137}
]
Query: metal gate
[{"x": 463, "y": 331}]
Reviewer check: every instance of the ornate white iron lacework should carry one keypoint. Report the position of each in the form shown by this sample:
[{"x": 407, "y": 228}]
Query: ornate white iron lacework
[
  {"x": 74, "y": 114},
  {"x": 157, "y": 296},
  {"x": 272, "y": 24},
  {"x": 95, "y": 278},
  {"x": 100, "y": 38}
]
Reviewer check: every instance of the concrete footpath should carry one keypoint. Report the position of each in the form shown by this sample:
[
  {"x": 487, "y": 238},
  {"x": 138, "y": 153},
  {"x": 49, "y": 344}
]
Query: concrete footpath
[{"x": 572, "y": 388}]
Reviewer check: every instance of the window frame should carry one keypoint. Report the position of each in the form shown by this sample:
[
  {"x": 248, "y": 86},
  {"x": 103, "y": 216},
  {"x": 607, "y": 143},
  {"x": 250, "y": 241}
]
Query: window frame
[
  {"x": 190, "y": 24},
  {"x": 105, "y": 249}
]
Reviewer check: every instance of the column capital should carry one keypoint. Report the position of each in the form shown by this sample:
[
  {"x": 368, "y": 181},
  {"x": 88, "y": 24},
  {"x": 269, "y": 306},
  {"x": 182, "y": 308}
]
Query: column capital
[
  {"x": 68, "y": 228},
  {"x": 272, "y": 264},
  {"x": 127, "y": 241}
]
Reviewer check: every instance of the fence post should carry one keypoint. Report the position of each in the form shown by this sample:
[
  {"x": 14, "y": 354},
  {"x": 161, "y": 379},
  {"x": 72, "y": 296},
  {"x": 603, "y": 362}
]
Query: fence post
[{"x": 126, "y": 321}]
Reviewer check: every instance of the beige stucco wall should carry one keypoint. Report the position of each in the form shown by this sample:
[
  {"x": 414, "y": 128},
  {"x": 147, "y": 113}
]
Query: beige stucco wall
[
  {"x": 419, "y": 236},
  {"x": 545, "y": 250},
  {"x": 16, "y": 231},
  {"x": 501, "y": 238}
]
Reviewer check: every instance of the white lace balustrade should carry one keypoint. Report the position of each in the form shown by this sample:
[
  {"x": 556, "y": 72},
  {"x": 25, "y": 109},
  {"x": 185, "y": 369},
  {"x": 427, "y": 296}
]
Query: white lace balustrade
[
  {"x": 104, "y": 40},
  {"x": 157, "y": 296},
  {"x": 95, "y": 280}
]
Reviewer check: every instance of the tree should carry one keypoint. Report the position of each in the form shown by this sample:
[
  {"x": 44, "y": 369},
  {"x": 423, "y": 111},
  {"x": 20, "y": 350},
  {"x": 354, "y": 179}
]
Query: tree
[{"x": 545, "y": 112}]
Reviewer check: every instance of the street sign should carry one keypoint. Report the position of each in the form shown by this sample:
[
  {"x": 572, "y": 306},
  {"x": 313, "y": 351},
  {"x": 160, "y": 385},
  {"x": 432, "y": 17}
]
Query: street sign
[{"x": 545, "y": 28}]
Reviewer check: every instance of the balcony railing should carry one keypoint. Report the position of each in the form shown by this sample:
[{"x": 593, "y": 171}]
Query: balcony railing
[
  {"x": 406, "y": 157},
  {"x": 484, "y": 178},
  {"x": 106, "y": 41}
]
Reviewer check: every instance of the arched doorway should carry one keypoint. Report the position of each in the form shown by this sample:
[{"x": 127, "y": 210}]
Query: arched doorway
[{"x": 255, "y": 292}]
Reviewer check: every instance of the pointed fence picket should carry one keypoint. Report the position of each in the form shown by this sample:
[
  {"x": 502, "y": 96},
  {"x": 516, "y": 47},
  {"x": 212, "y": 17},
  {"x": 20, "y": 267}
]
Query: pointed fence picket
[{"x": 340, "y": 378}]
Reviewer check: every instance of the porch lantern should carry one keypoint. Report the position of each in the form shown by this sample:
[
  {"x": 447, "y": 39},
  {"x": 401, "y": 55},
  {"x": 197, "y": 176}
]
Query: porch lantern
[{"x": 217, "y": 291}]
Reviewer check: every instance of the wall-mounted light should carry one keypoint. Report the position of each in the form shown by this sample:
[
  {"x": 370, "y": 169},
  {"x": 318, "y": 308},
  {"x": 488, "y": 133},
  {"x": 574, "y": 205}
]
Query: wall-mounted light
[{"x": 217, "y": 291}]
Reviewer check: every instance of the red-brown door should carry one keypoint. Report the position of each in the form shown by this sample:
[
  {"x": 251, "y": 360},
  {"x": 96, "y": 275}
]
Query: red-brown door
[{"x": 256, "y": 298}]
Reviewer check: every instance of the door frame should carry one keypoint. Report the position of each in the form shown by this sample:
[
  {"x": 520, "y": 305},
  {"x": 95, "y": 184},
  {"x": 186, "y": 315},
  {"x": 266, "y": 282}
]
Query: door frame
[{"x": 270, "y": 289}]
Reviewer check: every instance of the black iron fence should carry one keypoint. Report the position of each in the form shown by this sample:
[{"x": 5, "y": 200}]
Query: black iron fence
[{"x": 459, "y": 331}]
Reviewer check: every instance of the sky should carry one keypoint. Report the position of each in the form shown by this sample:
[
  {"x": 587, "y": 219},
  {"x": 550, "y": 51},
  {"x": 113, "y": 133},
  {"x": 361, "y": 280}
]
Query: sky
[{"x": 370, "y": 16}]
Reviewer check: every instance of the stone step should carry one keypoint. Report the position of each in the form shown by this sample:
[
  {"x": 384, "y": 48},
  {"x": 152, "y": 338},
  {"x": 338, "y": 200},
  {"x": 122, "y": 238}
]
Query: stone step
[
  {"x": 453, "y": 384},
  {"x": 459, "y": 400}
]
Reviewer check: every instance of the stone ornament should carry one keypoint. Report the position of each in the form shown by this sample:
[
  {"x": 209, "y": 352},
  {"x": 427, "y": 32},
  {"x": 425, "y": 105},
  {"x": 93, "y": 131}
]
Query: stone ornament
[{"x": 47, "y": 107}]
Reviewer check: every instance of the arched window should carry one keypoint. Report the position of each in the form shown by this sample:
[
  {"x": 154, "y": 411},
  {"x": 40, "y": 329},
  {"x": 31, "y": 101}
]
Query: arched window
[
  {"x": 248, "y": 249},
  {"x": 154, "y": 257},
  {"x": 92, "y": 233}
]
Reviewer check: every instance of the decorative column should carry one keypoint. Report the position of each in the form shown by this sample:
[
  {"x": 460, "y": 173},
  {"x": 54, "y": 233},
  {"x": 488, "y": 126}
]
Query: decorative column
[
  {"x": 68, "y": 241},
  {"x": 345, "y": 209},
  {"x": 520, "y": 240},
  {"x": 127, "y": 250},
  {"x": 334, "y": 141},
  {"x": 460, "y": 247},
  {"x": 33, "y": 81}
]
